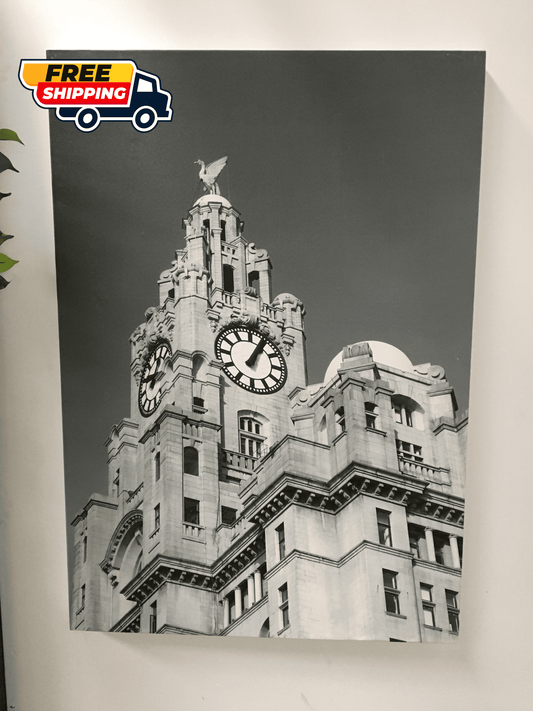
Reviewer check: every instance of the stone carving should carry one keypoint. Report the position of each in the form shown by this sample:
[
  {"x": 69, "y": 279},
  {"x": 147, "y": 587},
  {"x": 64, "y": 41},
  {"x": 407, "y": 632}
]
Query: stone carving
[
  {"x": 209, "y": 173},
  {"x": 355, "y": 350},
  {"x": 251, "y": 321},
  {"x": 158, "y": 327},
  {"x": 255, "y": 254},
  {"x": 290, "y": 299},
  {"x": 288, "y": 342},
  {"x": 431, "y": 371}
]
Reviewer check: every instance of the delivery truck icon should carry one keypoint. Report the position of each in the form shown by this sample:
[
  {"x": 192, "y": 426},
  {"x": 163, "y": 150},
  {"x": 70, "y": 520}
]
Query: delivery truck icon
[{"x": 88, "y": 92}]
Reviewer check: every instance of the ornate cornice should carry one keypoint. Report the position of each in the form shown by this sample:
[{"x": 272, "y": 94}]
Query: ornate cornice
[
  {"x": 163, "y": 570},
  {"x": 239, "y": 557},
  {"x": 331, "y": 497},
  {"x": 130, "y": 622}
]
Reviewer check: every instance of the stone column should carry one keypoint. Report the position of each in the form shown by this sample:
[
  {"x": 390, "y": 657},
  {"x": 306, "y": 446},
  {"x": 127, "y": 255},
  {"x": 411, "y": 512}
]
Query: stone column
[
  {"x": 258, "y": 586},
  {"x": 238, "y": 602},
  {"x": 226, "y": 612},
  {"x": 251, "y": 591},
  {"x": 456, "y": 560},
  {"x": 431, "y": 545}
]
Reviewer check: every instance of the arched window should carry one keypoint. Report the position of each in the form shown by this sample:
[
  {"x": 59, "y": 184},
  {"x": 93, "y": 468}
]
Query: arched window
[
  {"x": 251, "y": 437},
  {"x": 190, "y": 461},
  {"x": 227, "y": 277},
  {"x": 407, "y": 412}
]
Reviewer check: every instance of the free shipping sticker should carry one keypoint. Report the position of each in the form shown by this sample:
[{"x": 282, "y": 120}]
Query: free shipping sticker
[{"x": 88, "y": 92}]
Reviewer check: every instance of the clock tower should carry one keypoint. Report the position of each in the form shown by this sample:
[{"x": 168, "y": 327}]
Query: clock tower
[{"x": 244, "y": 501}]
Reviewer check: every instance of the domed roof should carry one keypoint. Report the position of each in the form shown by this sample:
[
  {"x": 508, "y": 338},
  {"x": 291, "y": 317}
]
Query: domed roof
[
  {"x": 205, "y": 199},
  {"x": 382, "y": 353}
]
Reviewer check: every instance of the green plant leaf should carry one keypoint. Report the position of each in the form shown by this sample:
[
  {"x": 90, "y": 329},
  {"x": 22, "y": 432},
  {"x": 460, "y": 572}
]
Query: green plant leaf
[
  {"x": 6, "y": 164},
  {"x": 4, "y": 238},
  {"x": 3, "y": 282},
  {"x": 6, "y": 134},
  {"x": 6, "y": 262}
]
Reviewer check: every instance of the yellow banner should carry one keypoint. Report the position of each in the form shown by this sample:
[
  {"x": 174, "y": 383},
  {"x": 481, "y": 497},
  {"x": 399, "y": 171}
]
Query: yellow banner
[{"x": 31, "y": 73}]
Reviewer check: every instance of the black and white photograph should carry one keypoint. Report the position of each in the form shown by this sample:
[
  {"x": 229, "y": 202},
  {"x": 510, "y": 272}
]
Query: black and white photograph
[{"x": 265, "y": 323}]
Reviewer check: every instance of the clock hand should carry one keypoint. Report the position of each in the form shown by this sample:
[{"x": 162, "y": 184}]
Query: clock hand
[
  {"x": 256, "y": 351},
  {"x": 154, "y": 376}
]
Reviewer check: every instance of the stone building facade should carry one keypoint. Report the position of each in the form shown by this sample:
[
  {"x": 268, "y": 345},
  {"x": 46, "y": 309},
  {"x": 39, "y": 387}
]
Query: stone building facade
[{"x": 243, "y": 501}]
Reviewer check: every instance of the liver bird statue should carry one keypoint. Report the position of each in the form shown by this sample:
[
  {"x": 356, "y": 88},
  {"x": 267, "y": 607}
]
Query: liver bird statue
[{"x": 209, "y": 174}]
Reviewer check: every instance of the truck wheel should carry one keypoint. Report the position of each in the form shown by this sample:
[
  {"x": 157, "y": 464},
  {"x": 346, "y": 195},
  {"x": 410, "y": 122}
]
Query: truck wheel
[
  {"x": 87, "y": 119},
  {"x": 145, "y": 119}
]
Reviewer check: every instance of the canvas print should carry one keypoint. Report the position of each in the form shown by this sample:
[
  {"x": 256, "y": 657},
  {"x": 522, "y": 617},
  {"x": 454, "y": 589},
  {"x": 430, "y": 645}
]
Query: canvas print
[{"x": 265, "y": 269}]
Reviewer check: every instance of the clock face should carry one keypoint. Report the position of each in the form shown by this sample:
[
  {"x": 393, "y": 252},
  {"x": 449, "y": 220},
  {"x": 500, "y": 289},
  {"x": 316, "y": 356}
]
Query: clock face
[
  {"x": 151, "y": 379},
  {"x": 251, "y": 360}
]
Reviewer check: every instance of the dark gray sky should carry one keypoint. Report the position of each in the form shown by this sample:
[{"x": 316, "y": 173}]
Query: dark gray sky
[{"x": 358, "y": 171}]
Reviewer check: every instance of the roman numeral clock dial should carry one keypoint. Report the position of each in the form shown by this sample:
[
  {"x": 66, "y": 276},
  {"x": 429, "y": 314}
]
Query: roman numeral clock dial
[
  {"x": 151, "y": 379},
  {"x": 251, "y": 360}
]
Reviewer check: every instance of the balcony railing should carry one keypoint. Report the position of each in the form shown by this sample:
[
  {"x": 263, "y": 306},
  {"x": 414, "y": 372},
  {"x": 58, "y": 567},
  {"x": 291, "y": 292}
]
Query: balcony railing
[
  {"x": 194, "y": 531},
  {"x": 269, "y": 311},
  {"x": 423, "y": 471},
  {"x": 236, "y": 460}
]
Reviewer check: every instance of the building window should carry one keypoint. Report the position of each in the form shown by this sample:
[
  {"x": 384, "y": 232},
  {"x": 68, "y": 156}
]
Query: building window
[
  {"x": 190, "y": 461},
  {"x": 392, "y": 594},
  {"x": 157, "y": 466},
  {"x": 428, "y": 606},
  {"x": 283, "y": 593},
  {"x": 198, "y": 401},
  {"x": 340, "y": 421},
  {"x": 85, "y": 549},
  {"x": 227, "y": 276},
  {"x": 116, "y": 483},
  {"x": 157, "y": 517},
  {"x": 153, "y": 617},
  {"x": 406, "y": 450},
  {"x": 171, "y": 294},
  {"x": 250, "y": 437},
  {"x": 82, "y": 597},
  {"x": 253, "y": 280},
  {"x": 384, "y": 527},
  {"x": 191, "y": 511},
  {"x": 453, "y": 611},
  {"x": 371, "y": 415},
  {"x": 280, "y": 536},
  {"x": 229, "y": 516}
]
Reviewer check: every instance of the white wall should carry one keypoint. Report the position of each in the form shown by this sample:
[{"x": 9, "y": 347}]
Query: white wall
[{"x": 50, "y": 668}]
